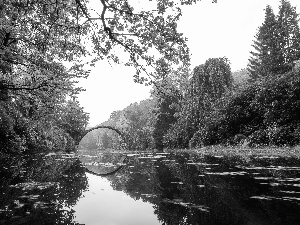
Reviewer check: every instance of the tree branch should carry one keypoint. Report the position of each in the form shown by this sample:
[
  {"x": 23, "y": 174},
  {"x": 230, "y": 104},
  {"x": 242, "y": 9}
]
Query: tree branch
[{"x": 82, "y": 9}]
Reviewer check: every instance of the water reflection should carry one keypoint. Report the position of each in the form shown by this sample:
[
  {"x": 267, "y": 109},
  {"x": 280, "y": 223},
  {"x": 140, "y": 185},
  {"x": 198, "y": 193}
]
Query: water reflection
[
  {"x": 103, "y": 205},
  {"x": 161, "y": 188},
  {"x": 42, "y": 190},
  {"x": 192, "y": 189}
]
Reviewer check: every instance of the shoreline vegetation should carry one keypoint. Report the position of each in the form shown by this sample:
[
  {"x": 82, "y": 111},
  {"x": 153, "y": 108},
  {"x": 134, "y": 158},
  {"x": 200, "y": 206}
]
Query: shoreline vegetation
[
  {"x": 244, "y": 152},
  {"x": 221, "y": 123},
  {"x": 211, "y": 106},
  {"x": 208, "y": 105}
]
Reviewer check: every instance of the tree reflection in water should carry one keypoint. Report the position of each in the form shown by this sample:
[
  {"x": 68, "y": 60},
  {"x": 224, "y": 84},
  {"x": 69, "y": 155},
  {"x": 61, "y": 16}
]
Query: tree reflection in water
[
  {"x": 42, "y": 191},
  {"x": 182, "y": 188},
  {"x": 193, "y": 189}
]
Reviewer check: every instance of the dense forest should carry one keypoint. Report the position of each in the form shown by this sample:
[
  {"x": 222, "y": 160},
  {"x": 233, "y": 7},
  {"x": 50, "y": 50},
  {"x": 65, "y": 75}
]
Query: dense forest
[
  {"x": 42, "y": 47},
  {"x": 211, "y": 105},
  {"x": 46, "y": 47}
]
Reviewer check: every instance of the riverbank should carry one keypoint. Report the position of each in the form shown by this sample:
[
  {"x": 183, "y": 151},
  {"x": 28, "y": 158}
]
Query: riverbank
[{"x": 268, "y": 151}]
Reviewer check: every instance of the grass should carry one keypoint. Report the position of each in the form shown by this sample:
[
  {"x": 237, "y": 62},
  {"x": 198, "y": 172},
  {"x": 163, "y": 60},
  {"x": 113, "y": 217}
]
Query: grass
[
  {"x": 293, "y": 152},
  {"x": 228, "y": 151}
]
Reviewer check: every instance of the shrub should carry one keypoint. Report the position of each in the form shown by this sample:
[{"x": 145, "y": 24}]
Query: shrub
[
  {"x": 10, "y": 141},
  {"x": 267, "y": 112}
]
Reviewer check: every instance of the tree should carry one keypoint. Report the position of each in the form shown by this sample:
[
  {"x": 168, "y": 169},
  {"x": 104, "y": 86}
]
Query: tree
[
  {"x": 218, "y": 77},
  {"x": 265, "y": 112},
  {"x": 277, "y": 43},
  {"x": 208, "y": 83},
  {"x": 288, "y": 34},
  {"x": 167, "y": 97},
  {"x": 46, "y": 45},
  {"x": 73, "y": 119},
  {"x": 36, "y": 35},
  {"x": 90, "y": 141},
  {"x": 136, "y": 123},
  {"x": 106, "y": 141},
  {"x": 265, "y": 60}
]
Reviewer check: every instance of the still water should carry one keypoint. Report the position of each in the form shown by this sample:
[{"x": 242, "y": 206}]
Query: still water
[
  {"x": 102, "y": 204},
  {"x": 150, "y": 188}
]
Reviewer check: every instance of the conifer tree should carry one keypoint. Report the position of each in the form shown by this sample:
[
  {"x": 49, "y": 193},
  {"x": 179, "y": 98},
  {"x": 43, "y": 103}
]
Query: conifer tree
[
  {"x": 277, "y": 43},
  {"x": 264, "y": 59},
  {"x": 288, "y": 35}
]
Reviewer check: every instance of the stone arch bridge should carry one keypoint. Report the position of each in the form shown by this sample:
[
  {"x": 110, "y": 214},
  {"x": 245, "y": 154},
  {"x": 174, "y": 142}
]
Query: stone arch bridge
[
  {"x": 99, "y": 127},
  {"x": 121, "y": 161}
]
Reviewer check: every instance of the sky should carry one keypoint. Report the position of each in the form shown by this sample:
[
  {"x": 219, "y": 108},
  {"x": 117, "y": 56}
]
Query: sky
[
  {"x": 111, "y": 207},
  {"x": 226, "y": 28}
]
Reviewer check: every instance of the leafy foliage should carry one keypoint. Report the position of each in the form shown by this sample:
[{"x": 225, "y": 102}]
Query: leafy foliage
[
  {"x": 37, "y": 40},
  {"x": 240, "y": 78},
  {"x": 265, "y": 112},
  {"x": 168, "y": 98},
  {"x": 207, "y": 84},
  {"x": 36, "y": 35},
  {"x": 23, "y": 134},
  {"x": 135, "y": 122},
  {"x": 10, "y": 140},
  {"x": 73, "y": 119}
]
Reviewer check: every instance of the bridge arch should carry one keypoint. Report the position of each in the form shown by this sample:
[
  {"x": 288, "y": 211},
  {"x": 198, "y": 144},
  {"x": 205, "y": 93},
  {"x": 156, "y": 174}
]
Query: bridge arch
[
  {"x": 123, "y": 139},
  {"x": 101, "y": 126},
  {"x": 108, "y": 173},
  {"x": 104, "y": 127}
]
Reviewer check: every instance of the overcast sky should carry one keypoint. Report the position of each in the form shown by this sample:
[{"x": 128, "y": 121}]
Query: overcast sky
[{"x": 213, "y": 30}]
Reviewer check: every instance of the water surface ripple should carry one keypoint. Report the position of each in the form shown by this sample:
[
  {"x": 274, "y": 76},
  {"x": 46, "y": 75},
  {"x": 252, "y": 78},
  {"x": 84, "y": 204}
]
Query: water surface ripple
[{"x": 151, "y": 188}]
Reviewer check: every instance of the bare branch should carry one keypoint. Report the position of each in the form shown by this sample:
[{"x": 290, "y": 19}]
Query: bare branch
[
  {"x": 121, "y": 34},
  {"x": 82, "y": 9}
]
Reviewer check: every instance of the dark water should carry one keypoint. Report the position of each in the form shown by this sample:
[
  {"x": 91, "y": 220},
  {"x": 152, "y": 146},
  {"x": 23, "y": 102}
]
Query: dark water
[{"x": 161, "y": 188}]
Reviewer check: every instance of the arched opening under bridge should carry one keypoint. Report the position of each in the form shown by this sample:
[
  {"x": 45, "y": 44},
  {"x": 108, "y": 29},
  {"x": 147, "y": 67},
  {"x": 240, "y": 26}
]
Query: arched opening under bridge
[{"x": 102, "y": 150}]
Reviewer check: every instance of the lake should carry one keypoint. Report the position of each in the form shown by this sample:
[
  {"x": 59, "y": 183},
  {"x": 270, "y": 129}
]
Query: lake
[{"x": 110, "y": 188}]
